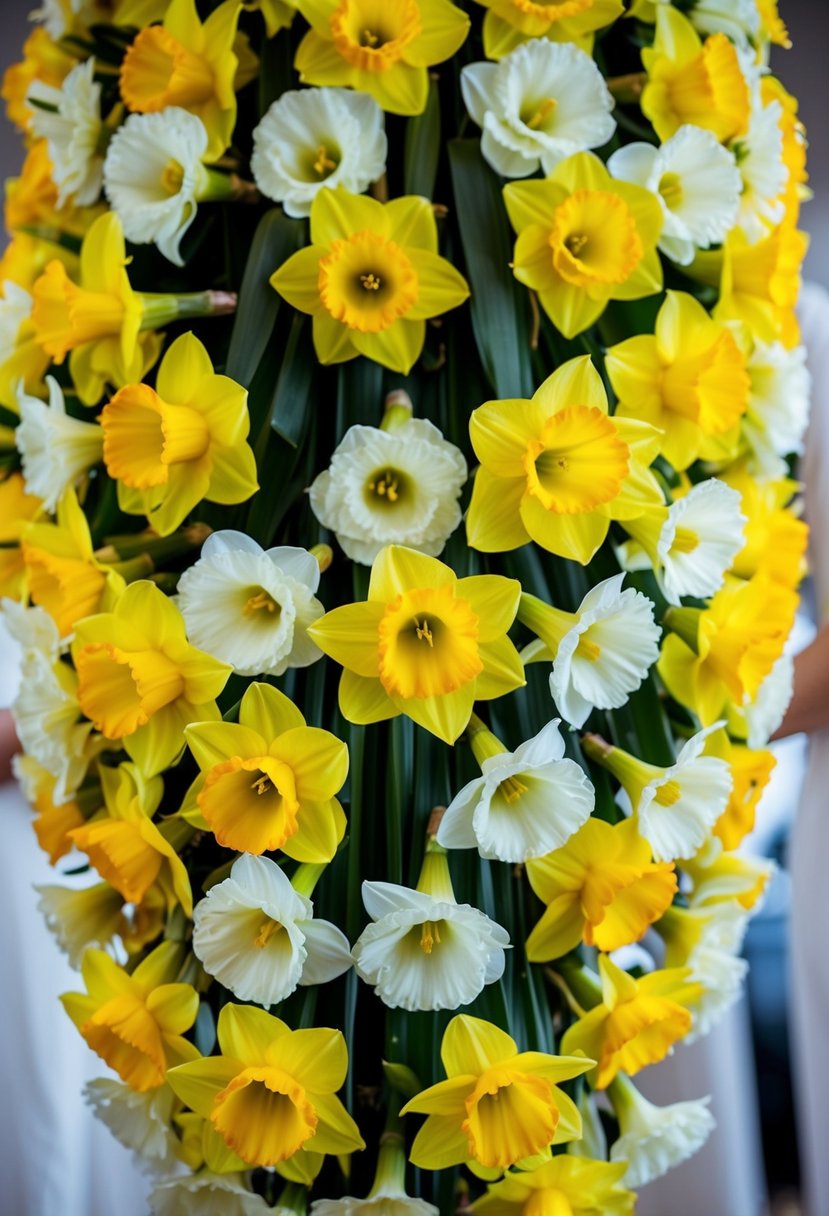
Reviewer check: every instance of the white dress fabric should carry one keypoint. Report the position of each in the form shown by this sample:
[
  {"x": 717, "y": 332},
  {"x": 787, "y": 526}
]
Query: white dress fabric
[
  {"x": 810, "y": 844},
  {"x": 56, "y": 1159}
]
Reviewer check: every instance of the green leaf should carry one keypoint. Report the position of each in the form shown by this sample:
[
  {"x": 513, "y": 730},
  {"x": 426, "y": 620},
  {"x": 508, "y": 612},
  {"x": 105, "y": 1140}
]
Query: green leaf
[
  {"x": 422, "y": 149},
  {"x": 276, "y": 238},
  {"x": 500, "y": 307},
  {"x": 402, "y": 1079},
  {"x": 290, "y": 413}
]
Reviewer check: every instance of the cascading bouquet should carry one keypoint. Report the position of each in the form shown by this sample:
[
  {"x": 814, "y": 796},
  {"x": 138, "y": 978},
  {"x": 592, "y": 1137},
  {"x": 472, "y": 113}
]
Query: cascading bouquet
[{"x": 366, "y": 809}]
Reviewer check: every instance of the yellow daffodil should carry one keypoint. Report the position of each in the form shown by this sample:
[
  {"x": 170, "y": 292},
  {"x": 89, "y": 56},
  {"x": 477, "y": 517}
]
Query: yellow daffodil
[
  {"x": 136, "y": 1022},
  {"x": 728, "y": 876},
  {"x": 26, "y": 257},
  {"x": 17, "y": 509},
  {"x": 269, "y": 782},
  {"x": 82, "y": 917},
  {"x": 557, "y": 469},
  {"x": 425, "y": 643},
  {"x": 270, "y": 1095},
  {"x": 187, "y": 63},
  {"x": 751, "y": 771},
  {"x": 794, "y": 143},
  {"x": 53, "y": 820},
  {"x": 565, "y": 1186},
  {"x": 508, "y": 23},
  {"x": 776, "y": 539},
  {"x": 724, "y": 652},
  {"x": 370, "y": 278},
  {"x": 183, "y": 441},
  {"x": 126, "y": 847},
  {"x": 379, "y": 48},
  {"x": 277, "y": 14},
  {"x": 45, "y": 60},
  {"x": 691, "y": 81},
  {"x": 601, "y": 888},
  {"x": 774, "y": 28},
  {"x": 584, "y": 239},
  {"x": 689, "y": 379},
  {"x": 498, "y": 1106},
  {"x": 22, "y": 359},
  {"x": 63, "y": 574},
  {"x": 140, "y": 681},
  {"x": 636, "y": 1023}
]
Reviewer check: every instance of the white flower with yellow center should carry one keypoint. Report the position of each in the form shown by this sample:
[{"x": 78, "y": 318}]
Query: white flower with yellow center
[
  {"x": 525, "y": 804},
  {"x": 154, "y": 177},
  {"x": 311, "y": 138},
  {"x": 387, "y": 1196},
  {"x": 140, "y": 1121},
  {"x": 256, "y": 934},
  {"x": 425, "y": 951},
  {"x": 692, "y": 543},
  {"x": 47, "y": 719},
  {"x": 697, "y": 182},
  {"x": 708, "y": 940},
  {"x": 251, "y": 607},
  {"x": 654, "y": 1139},
  {"x": 56, "y": 451},
  {"x": 33, "y": 628},
  {"x": 208, "y": 1194},
  {"x": 539, "y": 104},
  {"x": 600, "y": 654},
  {"x": 778, "y": 407},
  {"x": 739, "y": 19},
  {"x": 80, "y": 918},
  {"x": 69, "y": 119},
  {"x": 759, "y": 155},
  {"x": 391, "y": 486}
]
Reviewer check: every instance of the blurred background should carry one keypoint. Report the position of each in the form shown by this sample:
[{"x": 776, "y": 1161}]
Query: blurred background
[{"x": 763, "y": 1025}]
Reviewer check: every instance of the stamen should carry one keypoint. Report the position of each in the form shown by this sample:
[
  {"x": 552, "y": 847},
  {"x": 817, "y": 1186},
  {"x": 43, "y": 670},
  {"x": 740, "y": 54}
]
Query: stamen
[
  {"x": 575, "y": 243},
  {"x": 262, "y": 784},
  {"x": 371, "y": 282},
  {"x": 512, "y": 788},
  {"x": 685, "y": 540},
  {"x": 266, "y": 932},
  {"x": 588, "y": 650},
  {"x": 259, "y": 601},
  {"x": 429, "y": 936},
  {"x": 543, "y": 112},
  {"x": 386, "y": 487},
  {"x": 424, "y": 633},
  {"x": 172, "y": 177},
  {"x": 369, "y": 39},
  {"x": 323, "y": 164},
  {"x": 668, "y": 793}
]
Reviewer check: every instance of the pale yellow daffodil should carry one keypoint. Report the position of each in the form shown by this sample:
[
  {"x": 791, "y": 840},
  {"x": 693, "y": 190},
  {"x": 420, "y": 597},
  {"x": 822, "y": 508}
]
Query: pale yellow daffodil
[
  {"x": 564, "y": 1186},
  {"x": 558, "y": 468},
  {"x": 17, "y": 509},
  {"x": 508, "y": 23},
  {"x": 425, "y": 643}
]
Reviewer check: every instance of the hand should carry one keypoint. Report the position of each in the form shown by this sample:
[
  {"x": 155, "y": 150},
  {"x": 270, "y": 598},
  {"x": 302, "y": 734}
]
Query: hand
[{"x": 9, "y": 745}]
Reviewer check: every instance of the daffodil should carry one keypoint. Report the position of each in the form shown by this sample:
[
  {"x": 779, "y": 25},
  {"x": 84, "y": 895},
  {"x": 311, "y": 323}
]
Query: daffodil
[
  {"x": 775, "y": 537},
  {"x": 724, "y": 652},
  {"x": 188, "y": 63},
  {"x": 190, "y": 1194},
  {"x": 691, "y": 544},
  {"x": 69, "y": 119},
  {"x": 139, "y": 680},
  {"x": 601, "y": 887},
  {"x": 370, "y": 278},
  {"x": 142, "y": 1122},
  {"x": 575, "y": 1186},
  {"x": 542, "y": 103},
  {"x": 636, "y": 1023},
  {"x": 56, "y": 450},
  {"x": 136, "y": 1022},
  {"x": 424, "y": 950},
  {"x": 654, "y": 1139},
  {"x": 53, "y": 820},
  {"x": 558, "y": 468},
  {"x": 271, "y": 1092},
  {"x": 751, "y": 771},
  {"x": 276, "y": 14},
  {"x": 63, "y": 574},
  {"x": 398, "y": 483},
  {"x": 727, "y": 877},
  {"x": 22, "y": 358},
  {"x": 708, "y": 941},
  {"x": 757, "y": 719},
  {"x": 181, "y": 442},
  {"x": 17, "y": 508},
  {"x": 739, "y": 19},
  {"x": 498, "y": 1106},
  {"x": 256, "y": 934},
  {"x": 425, "y": 643},
  {"x": 387, "y": 1196},
  {"x": 584, "y": 239},
  {"x": 691, "y": 81},
  {"x": 764, "y": 172},
  {"x": 377, "y": 48},
  {"x": 313, "y": 139},
  {"x": 47, "y": 718},
  {"x": 600, "y": 654},
  {"x": 508, "y": 23},
  {"x": 44, "y": 59},
  {"x": 524, "y": 804},
  {"x": 127, "y": 848},
  {"x": 689, "y": 379},
  {"x": 99, "y": 916},
  {"x": 778, "y": 407},
  {"x": 677, "y": 806},
  {"x": 269, "y": 781}
]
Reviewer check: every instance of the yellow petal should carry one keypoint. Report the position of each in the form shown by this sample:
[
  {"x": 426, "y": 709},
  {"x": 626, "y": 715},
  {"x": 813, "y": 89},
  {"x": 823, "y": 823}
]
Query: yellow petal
[
  {"x": 364, "y": 700},
  {"x": 533, "y": 202},
  {"x": 576, "y": 382},
  {"x": 439, "y": 287},
  {"x": 174, "y": 1007},
  {"x": 183, "y": 366},
  {"x": 439, "y": 1144},
  {"x": 350, "y": 636},
  {"x": 320, "y": 828},
  {"x": 493, "y": 521},
  {"x": 411, "y": 221},
  {"x": 319, "y": 761},
  {"x": 502, "y": 431},
  {"x": 576, "y": 537},
  {"x": 494, "y": 600},
  {"x": 336, "y": 214},
  {"x": 336, "y": 1131},
  {"x": 198, "y": 1083},
  {"x": 317, "y": 1058},
  {"x": 297, "y": 279},
  {"x": 503, "y": 670},
  {"x": 213, "y": 742},
  {"x": 397, "y": 569},
  {"x": 247, "y": 1035},
  {"x": 471, "y": 1045},
  {"x": 446, "y": 1098},
  {"x": 268, "y": 712}
]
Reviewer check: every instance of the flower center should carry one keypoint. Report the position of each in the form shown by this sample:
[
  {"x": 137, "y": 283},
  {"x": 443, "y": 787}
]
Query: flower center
[
  {"x": 172, "y": 176},
  {"x": 325, "y": 164},
  {"x": 594, "y": 239},
  {"x": 266, "y": 931},
  {"x": 250, "y": 804},
  {"x": 430, "y": 935},
  {"x": 261, "y": 604},
  {"x": 372, "y": 35},
  {"x": 668, "y": 793},
  {"x": 670, "y": 187},
  {"x": 144, "y": 436},
  {"x": 510, "y": 1115},
  {"x": 120, "y": 690},
  {"x": 386, "y": 487},
  {"x": 685, "y": 540},
  {"x": 264, "y": 1115},
  {"x": 579, "y": 463},
  {"x": 536, "y": 117},
  {"x": 428, "y": 644},
  {"x": 367, "y": 282},
  {"x": 588, "y": 650},
  {"x": 511, "y": 789},
  {"x": 160, "y": 71}
]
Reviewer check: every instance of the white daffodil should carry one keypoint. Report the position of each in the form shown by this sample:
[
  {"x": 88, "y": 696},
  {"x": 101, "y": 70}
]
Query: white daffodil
[
  {"x": 757, "y": 720},
  {"x": 208, "y": 1194},
  {"x": 81, "y": 917},
  {"x": 525, "y": 804},
  {"x": 708, "y": 940},
  {"x": 391, "y": 487},
  {"x": 62, "y": 16},
  {"x": 69, "y": 119},
  {"x": 55, "y": 449},
  {"x": 759, "y": 156},
  {"x": 654, "y": 1139},
  {"x": 739, "y": 19},
  {"x": 387, "y": 1196},
  {"x": 251, "y": 607},
  {"x": 15, "y": 310},
  {"x": 692, "y": 543},
  {"x": 258, "y": 937},
  {"x": 778, "y": 408},
  {"x": 141, "y": 1122},
  {"x": 154, "y": 177},
  {"x": 425, "y": 951},
  {"x": 47, "y": 719},
  {"x": 312, "y": 139},
  {"x": 32, "y": 628},
  {"x": 541, "y": 103},
  {"x": 600, "y": 654},
  {"x": 697, "y": 182}
]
